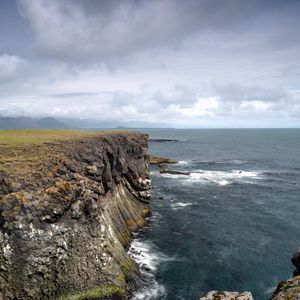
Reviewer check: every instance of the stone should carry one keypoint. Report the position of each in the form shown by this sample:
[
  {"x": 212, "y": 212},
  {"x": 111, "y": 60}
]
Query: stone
[
  {"x": 288, "y": 290},
  {"x": 224, "y": 295},
  {"x": 155, "y": 160},
  {"x": 70, "y": 217},
  {"x": 164, "y": 170},
  {"x": 296, "y": 260}
]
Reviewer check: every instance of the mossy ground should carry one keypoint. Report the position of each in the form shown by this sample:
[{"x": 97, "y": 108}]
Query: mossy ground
[
  {"x": 39, "y": 136},
  {"x": 22, "y": 149},
  {"x": 104, "y": 292}
]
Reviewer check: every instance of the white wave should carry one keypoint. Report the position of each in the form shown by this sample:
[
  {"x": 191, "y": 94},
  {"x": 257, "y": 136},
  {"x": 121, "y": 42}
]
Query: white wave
[
  {"x": 222, "y": 178},
  {"x": 145, "y": 256},
  {"x": 148, "y": 259},
  {"x": 270, "y": 290},
  {"x": 152, "y": 292},
  {"x": 183, "y": 162},
  {"x": 180, "y": 205},
  {"x": 224, "y": 182},
  {"x": 238, "y": 161},
  {"x": 154, "y": 173}
]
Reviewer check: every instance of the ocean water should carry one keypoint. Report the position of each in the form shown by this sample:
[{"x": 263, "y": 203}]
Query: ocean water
[{"x": 232, "y": 224}]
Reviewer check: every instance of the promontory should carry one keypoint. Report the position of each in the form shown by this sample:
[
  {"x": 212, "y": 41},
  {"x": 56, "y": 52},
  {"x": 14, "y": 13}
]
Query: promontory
[{"x": 69, "y": 204}]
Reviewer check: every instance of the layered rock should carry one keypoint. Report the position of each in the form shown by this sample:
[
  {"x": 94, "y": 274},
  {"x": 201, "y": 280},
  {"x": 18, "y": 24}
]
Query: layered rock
[{"x": 68, "y": 210}]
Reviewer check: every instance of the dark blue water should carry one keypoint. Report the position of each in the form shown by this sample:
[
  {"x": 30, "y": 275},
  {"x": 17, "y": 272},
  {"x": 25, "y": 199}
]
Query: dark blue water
[{"x": 233, "y": 223}]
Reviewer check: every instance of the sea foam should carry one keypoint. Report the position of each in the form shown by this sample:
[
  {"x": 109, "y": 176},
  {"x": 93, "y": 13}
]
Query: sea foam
[
  {"x": 148, "y": 259},
  {"x": 221, "y": 178}
]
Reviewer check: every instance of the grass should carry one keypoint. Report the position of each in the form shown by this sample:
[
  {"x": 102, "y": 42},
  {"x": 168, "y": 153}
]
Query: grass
[
  {"x": 97, "y": 293},
  {"x": 40, "y": 136}
]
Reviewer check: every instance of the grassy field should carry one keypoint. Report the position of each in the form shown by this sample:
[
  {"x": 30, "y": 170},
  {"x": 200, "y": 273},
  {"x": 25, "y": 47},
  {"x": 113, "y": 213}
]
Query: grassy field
[{"x": 39, "y": 136}]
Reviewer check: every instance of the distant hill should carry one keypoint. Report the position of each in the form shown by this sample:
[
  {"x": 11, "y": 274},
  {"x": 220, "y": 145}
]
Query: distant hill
[
  {"x": 25, "y": 122},
  {"x": 51, "y": 123},
  {"x": 75, "y": 123},
  {"x": 18, "y": 122}
]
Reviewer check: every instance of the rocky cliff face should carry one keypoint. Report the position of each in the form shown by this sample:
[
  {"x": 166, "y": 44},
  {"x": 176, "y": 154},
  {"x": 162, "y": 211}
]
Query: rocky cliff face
[
  {"x": 68, "y": 210},
  {"x": 290, "y": 289}
]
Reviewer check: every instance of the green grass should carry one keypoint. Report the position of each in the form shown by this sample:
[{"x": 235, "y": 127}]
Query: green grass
[
  {"x": 39, "y": 136},
  {"x": 96, "y": 293}
]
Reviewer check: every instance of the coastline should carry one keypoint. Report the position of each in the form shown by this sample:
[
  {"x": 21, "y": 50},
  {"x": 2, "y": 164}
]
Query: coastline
[{"x": 68, "y": 210}]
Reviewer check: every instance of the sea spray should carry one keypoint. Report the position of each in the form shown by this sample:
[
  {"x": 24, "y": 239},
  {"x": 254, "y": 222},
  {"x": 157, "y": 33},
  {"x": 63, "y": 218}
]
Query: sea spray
[{"x": 148, "y": 258}]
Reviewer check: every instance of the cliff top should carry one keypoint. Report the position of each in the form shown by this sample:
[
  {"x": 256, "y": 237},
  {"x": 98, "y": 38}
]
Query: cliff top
[
  {"x": 40, "y": 136},
  {"x": 22, "y": 151}
]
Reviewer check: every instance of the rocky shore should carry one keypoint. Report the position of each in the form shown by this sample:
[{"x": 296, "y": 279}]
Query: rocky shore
[
  {"x": 67, "y": 212},
  {"x": 286, "y": 290},
  {"x": 290, "y": 289}
]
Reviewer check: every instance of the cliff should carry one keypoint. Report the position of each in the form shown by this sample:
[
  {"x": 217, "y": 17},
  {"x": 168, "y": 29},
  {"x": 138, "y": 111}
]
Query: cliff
[
  {"x": 68, "y": 209},
  {"x": 290, "y": 289}
]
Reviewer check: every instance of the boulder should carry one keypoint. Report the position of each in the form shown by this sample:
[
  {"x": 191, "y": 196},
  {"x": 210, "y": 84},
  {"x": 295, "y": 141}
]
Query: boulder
[{"x": 217, "y": 295}]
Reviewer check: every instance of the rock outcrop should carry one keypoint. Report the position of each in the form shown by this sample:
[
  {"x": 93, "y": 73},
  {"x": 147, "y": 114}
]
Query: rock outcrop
[
  {"x": 156, "y": 160},
  {"x": 296, "y": 261},
  {"x": 163, "y": 169},
  {"x": 67, "y": 213},
  {"x": 290, "y": 289},
  {"x": 215, "y": 295}
]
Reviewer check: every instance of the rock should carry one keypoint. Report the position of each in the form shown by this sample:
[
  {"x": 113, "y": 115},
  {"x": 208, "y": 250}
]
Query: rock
[
  {"x": 164, "y": 140},
  {"x": 215, "y": 295},
  {"x": 66, "y": 223},
  {"x": 164, "y": 170},
  {"x": 296, "y": 260},
  {"x": 288, "y": 290},
  {"x": 155, "y": 160}
]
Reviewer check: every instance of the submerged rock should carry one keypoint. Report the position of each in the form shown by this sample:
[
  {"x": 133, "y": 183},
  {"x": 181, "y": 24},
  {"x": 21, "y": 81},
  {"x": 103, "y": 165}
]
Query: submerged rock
[
  {"x": 164, "y": 140},
  {"x": 155, "y": 160},
  {"x": 164, "y": 170},
  {"x": 215, "y": 295}
]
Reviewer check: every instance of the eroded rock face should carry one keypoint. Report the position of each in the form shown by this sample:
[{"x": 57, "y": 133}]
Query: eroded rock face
[
  {"x": 67, "y": 215},
  {"x": 215, "y": 295},
  {"x": 288, "y": 290},
  {"x": 296, "y": 261}
]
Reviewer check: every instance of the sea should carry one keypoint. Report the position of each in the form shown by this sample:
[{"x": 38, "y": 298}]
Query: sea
[{"x": 232, "y": 224}]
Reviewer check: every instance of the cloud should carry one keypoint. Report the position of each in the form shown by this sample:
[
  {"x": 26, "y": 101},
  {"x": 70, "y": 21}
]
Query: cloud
[
  {"x": 9, "y": 65},
  {"x": 138, "y": 107},
  {"x": 189, "y": 63},
  {"x": 102, "y": 30},
  {"x": 64, "y": 29}
]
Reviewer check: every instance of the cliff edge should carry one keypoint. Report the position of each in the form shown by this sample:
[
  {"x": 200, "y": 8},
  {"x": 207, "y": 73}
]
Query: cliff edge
[{"x": 68, "y": 208}]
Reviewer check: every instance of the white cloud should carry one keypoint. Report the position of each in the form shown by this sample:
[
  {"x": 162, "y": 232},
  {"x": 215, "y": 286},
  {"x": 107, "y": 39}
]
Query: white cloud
[
  {"x": 9, "y": 65},
  {"x": 202, "y": 107},
  {"x": 256, "y": 104}
]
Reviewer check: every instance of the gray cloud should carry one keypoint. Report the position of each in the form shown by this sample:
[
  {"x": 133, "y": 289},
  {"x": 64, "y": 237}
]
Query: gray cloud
[
  {"x": 188, "y": 63},
  {"x": 83, "y": 30}
]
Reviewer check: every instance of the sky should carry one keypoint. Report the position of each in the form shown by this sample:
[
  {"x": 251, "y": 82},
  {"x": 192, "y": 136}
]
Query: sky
[{"x": 186, "y": 64}]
